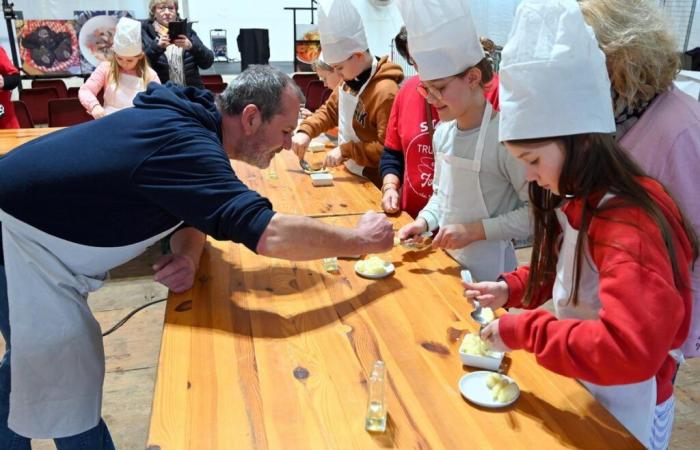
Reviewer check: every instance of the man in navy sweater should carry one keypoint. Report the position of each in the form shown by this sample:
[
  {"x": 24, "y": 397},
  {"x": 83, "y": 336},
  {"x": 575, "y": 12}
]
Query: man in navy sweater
[{"x": 77, "y": 202}]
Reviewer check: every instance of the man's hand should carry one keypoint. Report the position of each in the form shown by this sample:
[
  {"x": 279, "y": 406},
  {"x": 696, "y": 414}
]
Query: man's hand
[
  {"x": 334, "y": 158},
  {"x": 459, "y": 235},
  {"x": 176, "y": 272},
  {"x": 300, "y": 143},
  {"x": 376, "y": 232}
]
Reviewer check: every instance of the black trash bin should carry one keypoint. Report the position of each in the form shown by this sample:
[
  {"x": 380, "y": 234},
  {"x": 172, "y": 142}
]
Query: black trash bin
[{"x": 254, "y": 46}]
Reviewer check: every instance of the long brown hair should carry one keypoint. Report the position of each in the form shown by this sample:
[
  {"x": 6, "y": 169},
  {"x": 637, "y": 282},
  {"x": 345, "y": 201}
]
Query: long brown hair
[{"x": 593, "y": 163}]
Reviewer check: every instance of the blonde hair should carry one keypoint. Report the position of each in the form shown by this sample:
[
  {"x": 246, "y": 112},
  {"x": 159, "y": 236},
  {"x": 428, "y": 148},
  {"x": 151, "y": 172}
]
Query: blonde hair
[
  {"x": 153, "y": 3},
  {"x": 141, "y": 69},
  {"x": 320, "y": 64},
  {"x": 640, "y": 50}
]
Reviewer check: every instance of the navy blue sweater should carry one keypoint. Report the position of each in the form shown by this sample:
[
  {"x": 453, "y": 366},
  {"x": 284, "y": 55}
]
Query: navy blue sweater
[{"x": 133, "y": 174}]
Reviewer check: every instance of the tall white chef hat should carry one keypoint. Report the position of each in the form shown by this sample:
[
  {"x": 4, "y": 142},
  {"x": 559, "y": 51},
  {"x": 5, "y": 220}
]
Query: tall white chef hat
[
  {"x": 554, "y": 81},
  {"x": 127, "y": 38},
  {"x": 341, "y": 29},
  {"x": 442, "y": 38}
]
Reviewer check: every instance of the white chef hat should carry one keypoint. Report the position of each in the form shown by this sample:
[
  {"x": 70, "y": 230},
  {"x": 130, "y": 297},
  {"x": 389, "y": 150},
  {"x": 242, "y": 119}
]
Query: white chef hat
[
  {"x": 553, "y": 77},
  {"x": 341, "y": 29},
  {"x": 127, "y": 38},
  {"x": 442, "y": 38}
]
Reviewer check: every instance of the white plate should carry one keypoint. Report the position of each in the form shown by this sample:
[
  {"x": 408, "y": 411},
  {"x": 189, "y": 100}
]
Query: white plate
[
  {"x": 87, "y": 36},
  {"x": 388, "y": 270},
  {"x": 473, "y": 388}
]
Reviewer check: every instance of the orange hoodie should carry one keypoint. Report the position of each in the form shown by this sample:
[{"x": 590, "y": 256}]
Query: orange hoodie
[{"x": 370, "y": 119}]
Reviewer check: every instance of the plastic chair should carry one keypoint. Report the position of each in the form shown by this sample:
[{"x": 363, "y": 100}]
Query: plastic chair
[
  {"x": 212, "y": 79},
  {"x": 22, "y": 113},
  {"x": 65, "y": 112},
  {"x": 315, "y": 93},
  {"x": 58, "y": 84},
  {"x": 37, "y": 101},
  {"x": 302, "y": 79},
  {"x": 216, "y": 88}
]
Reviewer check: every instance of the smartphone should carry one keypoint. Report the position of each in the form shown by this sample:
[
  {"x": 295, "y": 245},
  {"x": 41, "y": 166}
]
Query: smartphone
[{"x": 178, "y": 27}]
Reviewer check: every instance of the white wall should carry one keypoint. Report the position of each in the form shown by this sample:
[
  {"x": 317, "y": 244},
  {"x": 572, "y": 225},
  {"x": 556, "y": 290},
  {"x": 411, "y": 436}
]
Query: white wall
[{"x": 493, "y": 19}]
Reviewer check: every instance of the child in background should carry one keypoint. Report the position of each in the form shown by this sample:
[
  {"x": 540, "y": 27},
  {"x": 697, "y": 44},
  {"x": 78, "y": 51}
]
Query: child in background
[
  {"x": 127, "y": 74},
  {"x": 611, "y": 248}
]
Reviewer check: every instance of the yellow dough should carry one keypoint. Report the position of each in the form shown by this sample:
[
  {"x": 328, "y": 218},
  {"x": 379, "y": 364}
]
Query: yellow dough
[{"x": 474, "y": 345}]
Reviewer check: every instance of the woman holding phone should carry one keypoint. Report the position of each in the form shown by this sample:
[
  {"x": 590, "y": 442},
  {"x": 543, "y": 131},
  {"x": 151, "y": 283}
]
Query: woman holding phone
[{"x": 174, "y": 58}]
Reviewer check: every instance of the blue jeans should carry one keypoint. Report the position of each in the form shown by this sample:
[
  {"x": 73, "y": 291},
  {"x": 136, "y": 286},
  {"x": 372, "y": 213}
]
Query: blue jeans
[{"x": 97, "y": 438}]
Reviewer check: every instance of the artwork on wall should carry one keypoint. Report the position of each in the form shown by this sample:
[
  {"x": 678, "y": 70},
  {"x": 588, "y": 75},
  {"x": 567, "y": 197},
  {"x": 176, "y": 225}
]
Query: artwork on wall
[
  {"x": 48, "y": 47},
  {"x": 95, "y": 31}
]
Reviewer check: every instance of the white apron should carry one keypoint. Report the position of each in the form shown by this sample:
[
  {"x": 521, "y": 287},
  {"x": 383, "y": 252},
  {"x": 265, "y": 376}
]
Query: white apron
[
  {"x": 462, "y": 201},
  {"x": 347, "y": 104},
  {"x": 57, "y": 359},
  {"x": 634, "y": 405},
  {"x": 122, "y": 96}
]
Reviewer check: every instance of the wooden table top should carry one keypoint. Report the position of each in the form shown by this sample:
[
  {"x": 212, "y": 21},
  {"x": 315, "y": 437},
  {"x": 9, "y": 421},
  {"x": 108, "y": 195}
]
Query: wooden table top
[
  {"x": 9, "y": 139},
  {"x": 271, "y": 354}
]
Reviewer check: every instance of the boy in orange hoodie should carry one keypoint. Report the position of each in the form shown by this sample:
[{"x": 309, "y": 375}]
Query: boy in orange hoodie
[{"x": 362, "y": 104}]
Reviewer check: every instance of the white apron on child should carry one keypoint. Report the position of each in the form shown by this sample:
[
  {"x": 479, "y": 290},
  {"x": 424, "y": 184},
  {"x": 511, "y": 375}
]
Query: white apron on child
[
  {"x": 57, "y": 360},
  {"x": 122, "y": 96},
  {"x": 347, "y": 104},
  {"x": 462, "y": 201},
  {"x": 634, "y": 405}
]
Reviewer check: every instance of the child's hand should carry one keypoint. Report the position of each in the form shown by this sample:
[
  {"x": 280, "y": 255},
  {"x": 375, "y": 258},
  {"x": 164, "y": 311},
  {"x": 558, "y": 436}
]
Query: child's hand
[
  {"x": 491, "y": 294},
  {"x": 334, "y": 158},
  {"x": 414, "y": 228},
  {"x": 459, "y": 235},
  {"x": 491, "y": 335},
  {"x": 98, "y": 112}
]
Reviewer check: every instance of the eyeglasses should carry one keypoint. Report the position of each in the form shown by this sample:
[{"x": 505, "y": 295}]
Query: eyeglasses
[
  {"x": 425, "y": 91},
  {"x": 161, "y": 8}
]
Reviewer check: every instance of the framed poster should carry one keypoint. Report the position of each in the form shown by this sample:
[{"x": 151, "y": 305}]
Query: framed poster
[
  {"x": 95, "y": 33},
  {"x": 48, "y": 47}
]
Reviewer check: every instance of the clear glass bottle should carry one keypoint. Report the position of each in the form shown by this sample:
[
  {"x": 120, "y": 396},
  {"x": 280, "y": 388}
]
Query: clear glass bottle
[{"x": 376, "y": 407}]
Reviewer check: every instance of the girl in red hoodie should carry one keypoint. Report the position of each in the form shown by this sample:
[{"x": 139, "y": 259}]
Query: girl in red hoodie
[{"x": 611, "y": 248}]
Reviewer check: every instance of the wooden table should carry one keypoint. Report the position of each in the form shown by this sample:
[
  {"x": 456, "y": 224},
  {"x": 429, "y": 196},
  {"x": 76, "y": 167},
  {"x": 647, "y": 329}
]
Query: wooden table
[
  {"x": 271, "y": 354},
  {"x": 9, "y": 139}
]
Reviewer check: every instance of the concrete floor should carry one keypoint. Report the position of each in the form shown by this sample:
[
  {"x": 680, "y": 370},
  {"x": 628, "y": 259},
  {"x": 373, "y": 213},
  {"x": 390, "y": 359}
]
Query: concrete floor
[{"x": 132, "y": 357}]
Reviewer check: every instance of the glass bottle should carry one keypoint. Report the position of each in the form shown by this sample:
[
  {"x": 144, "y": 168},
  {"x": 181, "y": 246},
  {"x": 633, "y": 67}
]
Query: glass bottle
[{"x": 376, "y": 407}]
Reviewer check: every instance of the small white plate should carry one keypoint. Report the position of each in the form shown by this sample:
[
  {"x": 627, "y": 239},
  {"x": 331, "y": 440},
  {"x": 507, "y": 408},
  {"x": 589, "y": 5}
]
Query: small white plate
[
  {"x": 473, "y": 388},
  {"x": 388, "y": 270}
]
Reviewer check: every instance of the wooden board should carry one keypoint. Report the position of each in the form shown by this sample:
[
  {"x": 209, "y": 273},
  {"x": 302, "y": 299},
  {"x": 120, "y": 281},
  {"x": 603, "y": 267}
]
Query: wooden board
[
  {"x": 9, "y": 139},
  {"x": 271, "y": 354}
]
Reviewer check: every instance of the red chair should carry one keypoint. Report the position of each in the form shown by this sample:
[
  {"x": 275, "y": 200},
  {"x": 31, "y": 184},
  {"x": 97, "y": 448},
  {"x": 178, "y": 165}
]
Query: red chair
[
  {"x": 22, "y": 113},
  {"x": 215, "y": 88},
  {"x": 58, "y": 84},
  {"x": 64, "y": 112},
  {"x": 302, "y": 79},
  {"x": 73, "y": 92},
  {"x": 37, "y": 101},
  {"x": 212, "y": 79},
  {"x": 315, "y": 94}
]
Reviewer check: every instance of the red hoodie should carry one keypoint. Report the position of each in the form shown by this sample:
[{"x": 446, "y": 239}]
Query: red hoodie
[{"x": 643, "y": 314}]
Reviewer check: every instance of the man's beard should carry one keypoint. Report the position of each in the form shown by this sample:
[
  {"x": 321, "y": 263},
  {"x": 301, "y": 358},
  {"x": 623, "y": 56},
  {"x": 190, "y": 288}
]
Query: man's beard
[{"x": 256, "y": 153}]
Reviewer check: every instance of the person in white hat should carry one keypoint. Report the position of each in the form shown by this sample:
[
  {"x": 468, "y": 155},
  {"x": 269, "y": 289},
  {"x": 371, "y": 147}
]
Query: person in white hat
[
  {"x": 121, "y": 78},
  {"x": 479, "y": 189},
  {"x": 611, "y": 248},
  {"x": 362, "y": 104}
]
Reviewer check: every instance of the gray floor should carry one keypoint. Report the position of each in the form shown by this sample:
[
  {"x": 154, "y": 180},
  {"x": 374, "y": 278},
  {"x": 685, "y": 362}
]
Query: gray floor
[{"x": 234, "y": 68}]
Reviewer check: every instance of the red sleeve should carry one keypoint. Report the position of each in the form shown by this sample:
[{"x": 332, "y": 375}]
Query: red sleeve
[
  {"x": 6, "y": 66},
  {"x": 517, "y": 282},
  {"x": 642, "y": 313},
  {"x": 392, "y": 139}
]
